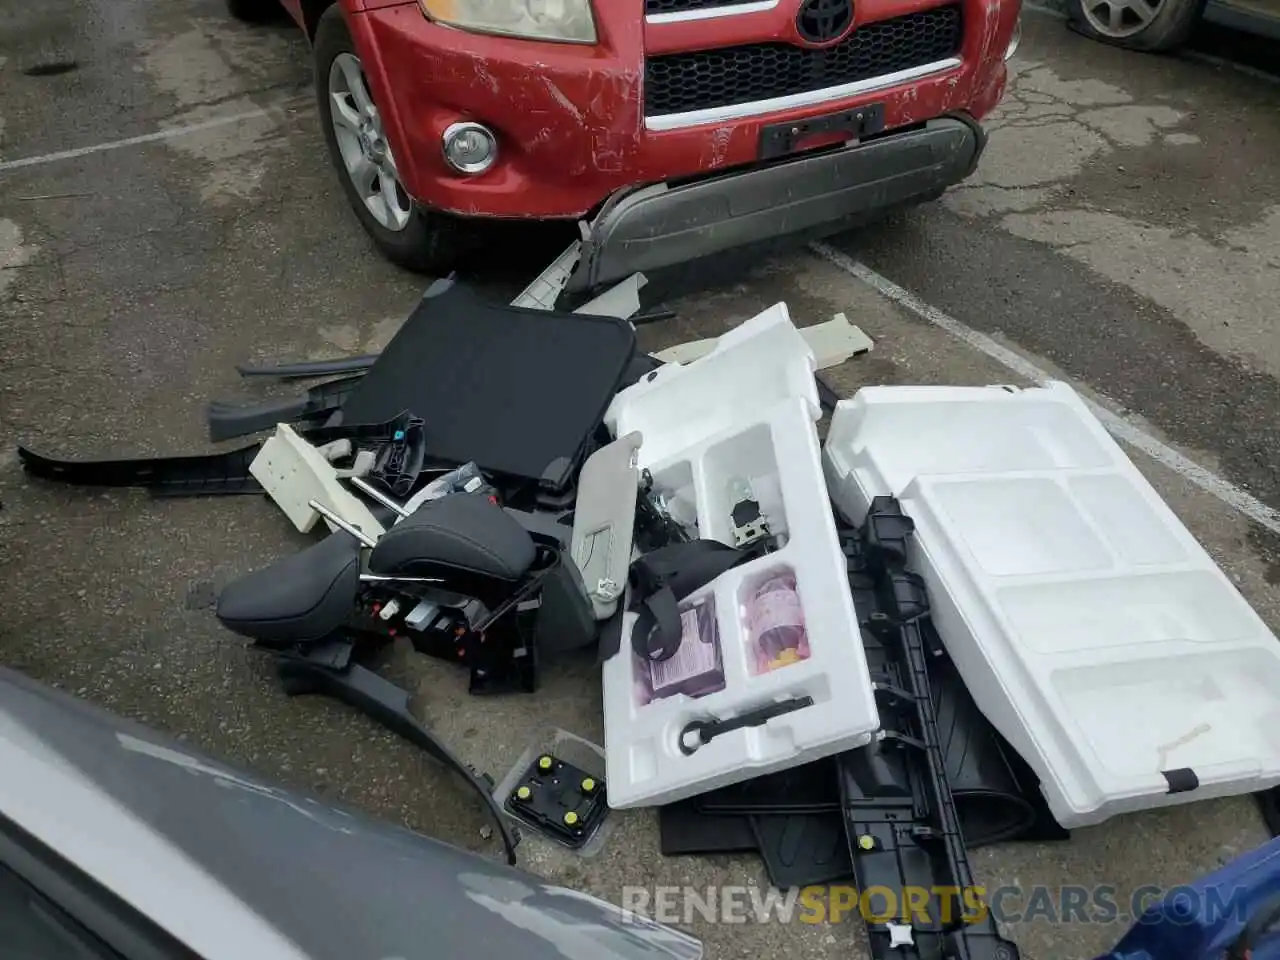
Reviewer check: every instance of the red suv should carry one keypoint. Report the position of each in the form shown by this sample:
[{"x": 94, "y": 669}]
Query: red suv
[{"x": 679, "y": 128}]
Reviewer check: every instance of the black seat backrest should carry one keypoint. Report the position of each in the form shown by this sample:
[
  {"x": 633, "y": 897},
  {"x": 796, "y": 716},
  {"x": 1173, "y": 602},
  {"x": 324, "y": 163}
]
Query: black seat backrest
[{"x": 462, "y": 532}]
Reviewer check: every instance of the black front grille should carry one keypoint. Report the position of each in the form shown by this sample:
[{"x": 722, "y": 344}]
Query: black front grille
[
  {"x": 677, "y": 6},
  {"x": 703, "y": 79}
]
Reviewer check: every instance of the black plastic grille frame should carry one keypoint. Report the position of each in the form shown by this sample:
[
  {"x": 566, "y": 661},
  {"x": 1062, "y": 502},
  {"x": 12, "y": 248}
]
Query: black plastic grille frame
[
  {"x": 680, "y": 6},
  {"x": 704, "y": 79}
]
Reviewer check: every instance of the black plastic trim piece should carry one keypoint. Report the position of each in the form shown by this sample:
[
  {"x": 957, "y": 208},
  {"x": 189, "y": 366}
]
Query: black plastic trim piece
[
  {"x": 903, "y": 828},
  {"x": 1182, "y": 780},
  {"x": 645, "y": 231},
  {"x": 210, "y": 474},
  {"x": 387, "y": 704},
  {"x": 228, "y": 420},
  {"x": 309, "y": 368}
]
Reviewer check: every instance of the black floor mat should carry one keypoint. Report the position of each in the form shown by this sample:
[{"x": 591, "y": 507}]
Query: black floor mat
[
  {"x": 683, "y": 831},
  {"x": 812, "y": 788},
  {"x": 802, "y": 850}
]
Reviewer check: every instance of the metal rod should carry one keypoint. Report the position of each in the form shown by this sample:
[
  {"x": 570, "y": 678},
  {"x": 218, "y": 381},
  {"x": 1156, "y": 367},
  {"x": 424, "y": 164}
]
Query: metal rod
[
  {"x": 312, "y": 368},
  {"x": 372, "y": 492},
  {"x": 380, "y": 578},
  {"x": 341, "y": 524}
]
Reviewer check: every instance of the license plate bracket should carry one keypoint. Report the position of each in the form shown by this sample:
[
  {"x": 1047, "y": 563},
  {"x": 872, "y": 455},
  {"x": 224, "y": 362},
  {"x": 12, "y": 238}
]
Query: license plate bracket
[{"x": 780, "y": 139}]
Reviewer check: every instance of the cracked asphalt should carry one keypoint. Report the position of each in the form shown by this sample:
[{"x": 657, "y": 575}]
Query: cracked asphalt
[{"x": 1123, "y": 232}]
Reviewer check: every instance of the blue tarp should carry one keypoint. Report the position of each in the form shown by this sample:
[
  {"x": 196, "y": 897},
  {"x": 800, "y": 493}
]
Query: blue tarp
[{"x": 1231, "y": 914}]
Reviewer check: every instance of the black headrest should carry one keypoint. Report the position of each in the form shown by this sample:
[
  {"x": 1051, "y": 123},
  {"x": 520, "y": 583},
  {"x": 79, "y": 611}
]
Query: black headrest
[{"x": 464, "y": 531}]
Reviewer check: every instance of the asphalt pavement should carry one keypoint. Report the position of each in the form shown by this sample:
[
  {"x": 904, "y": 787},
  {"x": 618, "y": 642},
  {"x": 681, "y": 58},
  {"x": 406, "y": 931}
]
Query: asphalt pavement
[{"x": 167, "y": 211}]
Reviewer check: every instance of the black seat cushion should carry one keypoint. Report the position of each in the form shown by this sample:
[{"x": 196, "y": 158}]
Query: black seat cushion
[
  {"x": 303, "y": 597},
  {"x": 466, "y": 532}
]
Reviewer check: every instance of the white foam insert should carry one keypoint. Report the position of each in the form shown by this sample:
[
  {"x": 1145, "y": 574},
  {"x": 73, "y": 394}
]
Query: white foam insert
[
  {"x": 749, "y": 370},
  {"x": 1090, "y": 626},
  {"x": 746, "y": 410}
]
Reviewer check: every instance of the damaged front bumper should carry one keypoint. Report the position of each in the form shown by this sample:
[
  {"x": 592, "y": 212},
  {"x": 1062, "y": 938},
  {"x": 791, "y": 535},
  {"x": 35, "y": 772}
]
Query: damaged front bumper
[{"x": 660, "y": 226}]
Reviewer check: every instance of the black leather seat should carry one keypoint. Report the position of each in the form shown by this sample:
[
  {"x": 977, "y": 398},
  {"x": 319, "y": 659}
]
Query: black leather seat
[
  {"x": 461, "y": 534},
  {"x": 303, "y": 597}
]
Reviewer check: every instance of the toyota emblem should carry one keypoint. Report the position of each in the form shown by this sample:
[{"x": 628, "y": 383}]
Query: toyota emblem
[{"x": 822, "y": 21}]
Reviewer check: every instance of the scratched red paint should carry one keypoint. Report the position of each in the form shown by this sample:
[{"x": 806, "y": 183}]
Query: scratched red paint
[{"x": 569, "y": 118}]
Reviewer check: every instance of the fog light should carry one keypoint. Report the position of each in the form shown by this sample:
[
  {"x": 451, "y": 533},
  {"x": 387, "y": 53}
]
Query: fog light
[
  {"x": 1015, "y": 39},
  {"x": 470, "y": 147}
]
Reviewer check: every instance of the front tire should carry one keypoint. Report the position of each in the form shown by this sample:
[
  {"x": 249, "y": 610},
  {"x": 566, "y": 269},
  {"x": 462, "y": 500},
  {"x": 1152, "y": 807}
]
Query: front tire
[
  {"x": 407, "y": 234},
  {"x": 1151, "y": 26}
]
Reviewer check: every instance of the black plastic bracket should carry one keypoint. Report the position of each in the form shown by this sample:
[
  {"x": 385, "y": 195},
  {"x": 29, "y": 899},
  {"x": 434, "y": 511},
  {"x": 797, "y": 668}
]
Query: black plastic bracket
[
  {"x": 781, "y": 139},
  {"x": 885, "y": 533},
  {"x": 1182, "y": 780}
]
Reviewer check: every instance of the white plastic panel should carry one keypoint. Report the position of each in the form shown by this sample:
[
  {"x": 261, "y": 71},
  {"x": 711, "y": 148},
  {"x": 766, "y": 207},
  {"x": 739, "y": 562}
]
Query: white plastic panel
[
  {"x": 1090, "y": 626},
  {"x": 744, "y": 412}
]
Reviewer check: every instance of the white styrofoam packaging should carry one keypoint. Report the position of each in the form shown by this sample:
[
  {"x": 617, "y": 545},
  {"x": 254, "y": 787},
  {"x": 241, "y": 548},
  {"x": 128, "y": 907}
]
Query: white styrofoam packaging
[
  {"x": 745, "y": 411},
  {"x": 1091, "y": 627}
]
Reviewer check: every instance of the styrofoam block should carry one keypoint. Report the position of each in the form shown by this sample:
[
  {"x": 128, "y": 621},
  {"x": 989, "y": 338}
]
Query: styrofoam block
[
  {"x": 752, "y": 368},
  {"x": 778, "y": 454},
  {"x": 1091, "y": 628}
]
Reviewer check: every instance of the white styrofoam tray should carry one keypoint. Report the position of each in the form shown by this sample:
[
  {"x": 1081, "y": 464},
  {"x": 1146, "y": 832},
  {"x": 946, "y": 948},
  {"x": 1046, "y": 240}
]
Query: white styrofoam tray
[
  {"x": 747, "y": 410},
  {"x": 1092, "y": 629}
]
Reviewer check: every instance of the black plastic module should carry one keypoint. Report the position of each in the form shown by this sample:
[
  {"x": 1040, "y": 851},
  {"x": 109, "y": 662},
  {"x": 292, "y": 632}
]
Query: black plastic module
[
  {"x": 560, "y": 800},
  {"x": 901, "y": 821}
]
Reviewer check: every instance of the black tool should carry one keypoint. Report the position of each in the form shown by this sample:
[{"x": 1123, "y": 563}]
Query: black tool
[{"x": 696, "y": 733}]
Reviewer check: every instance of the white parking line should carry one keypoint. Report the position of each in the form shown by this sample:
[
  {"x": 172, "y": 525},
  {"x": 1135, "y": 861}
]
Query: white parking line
[
  {"x": 1130, "y": 433},
  {"x": 168, "y": 134}
]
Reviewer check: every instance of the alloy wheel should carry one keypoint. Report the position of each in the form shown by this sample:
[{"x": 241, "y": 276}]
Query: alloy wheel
[
  {"x": 366, "y": 154},
  {"x": 1118, "y": 19}
]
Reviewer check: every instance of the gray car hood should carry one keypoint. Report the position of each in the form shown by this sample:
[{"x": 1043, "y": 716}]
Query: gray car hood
[{"x": 234, "y": 866}]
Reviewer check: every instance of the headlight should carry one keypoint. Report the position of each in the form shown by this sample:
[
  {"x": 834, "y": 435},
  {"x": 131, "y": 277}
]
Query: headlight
[{"x": 565, "y": 20}]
